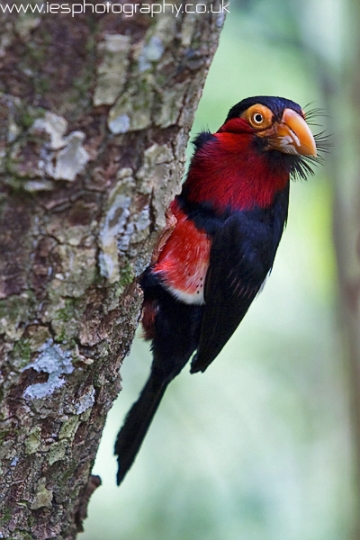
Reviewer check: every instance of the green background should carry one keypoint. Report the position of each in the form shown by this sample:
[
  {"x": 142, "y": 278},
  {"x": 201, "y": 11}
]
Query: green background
[{"x": 258, "y": 447}]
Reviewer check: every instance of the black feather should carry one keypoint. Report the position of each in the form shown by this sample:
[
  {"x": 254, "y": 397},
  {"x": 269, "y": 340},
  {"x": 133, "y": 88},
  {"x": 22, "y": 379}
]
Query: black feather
[
  {"x": 171, "y": 353},
  {"x": 202, "y": 138},
  {"x": 276, "y": 104},
  {"x": 242, "y": 254}
]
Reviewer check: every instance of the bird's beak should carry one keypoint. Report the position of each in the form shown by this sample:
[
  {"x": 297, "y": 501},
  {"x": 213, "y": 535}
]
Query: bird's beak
[{"x": 293, "y": 136}]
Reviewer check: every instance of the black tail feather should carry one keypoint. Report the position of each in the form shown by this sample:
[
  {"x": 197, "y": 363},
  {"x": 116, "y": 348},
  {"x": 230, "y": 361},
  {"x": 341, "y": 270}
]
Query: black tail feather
[
  {"x": 176, "y": 328},
  {"x": 136, "y": 425}
]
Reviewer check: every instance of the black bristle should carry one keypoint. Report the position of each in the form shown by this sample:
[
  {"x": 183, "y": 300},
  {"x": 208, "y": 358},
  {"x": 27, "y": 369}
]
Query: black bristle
[{"x": 202, "y": 138}]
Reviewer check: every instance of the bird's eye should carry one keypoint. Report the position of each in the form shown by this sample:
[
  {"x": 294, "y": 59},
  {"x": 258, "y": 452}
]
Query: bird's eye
[{"x": 258, "y": 118}]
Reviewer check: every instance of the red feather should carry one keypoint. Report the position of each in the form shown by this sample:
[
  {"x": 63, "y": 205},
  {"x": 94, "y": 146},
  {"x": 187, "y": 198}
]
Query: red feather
[
  {"x": 228, "y": 173},
  {"x": 184, "y": 259}
]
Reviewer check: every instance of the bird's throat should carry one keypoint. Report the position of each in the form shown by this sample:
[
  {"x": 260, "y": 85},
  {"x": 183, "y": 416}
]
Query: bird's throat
[{"x": 230, "y": 174}]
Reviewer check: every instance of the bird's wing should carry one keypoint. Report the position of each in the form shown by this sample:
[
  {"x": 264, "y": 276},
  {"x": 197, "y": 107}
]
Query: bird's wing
[{"x": 241, "y": 256}]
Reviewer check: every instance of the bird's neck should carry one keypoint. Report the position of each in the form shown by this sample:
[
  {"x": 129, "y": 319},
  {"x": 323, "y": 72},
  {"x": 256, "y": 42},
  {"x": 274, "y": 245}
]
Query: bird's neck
[{"x": 229, "y": 173}]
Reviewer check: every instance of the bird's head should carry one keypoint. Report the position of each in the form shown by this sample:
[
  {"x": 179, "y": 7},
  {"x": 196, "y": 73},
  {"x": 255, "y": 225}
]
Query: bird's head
[
  {"x": 274, "y": 125},
  {"x": 278, "y": 122},
  {"x": 263, "y": 142}
]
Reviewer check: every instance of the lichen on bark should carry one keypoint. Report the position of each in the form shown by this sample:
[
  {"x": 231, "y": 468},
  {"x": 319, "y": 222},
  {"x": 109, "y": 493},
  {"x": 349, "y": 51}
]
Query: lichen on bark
[{"x": 95, "y": 112}]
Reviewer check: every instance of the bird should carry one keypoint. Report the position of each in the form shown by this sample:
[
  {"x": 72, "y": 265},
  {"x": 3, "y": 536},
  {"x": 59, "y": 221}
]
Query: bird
[{"x": 219, "y": 245}]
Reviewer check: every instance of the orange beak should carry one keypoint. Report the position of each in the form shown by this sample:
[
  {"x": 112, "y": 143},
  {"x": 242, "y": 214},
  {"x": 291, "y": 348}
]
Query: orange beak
[{"x": 293, "y": 136}]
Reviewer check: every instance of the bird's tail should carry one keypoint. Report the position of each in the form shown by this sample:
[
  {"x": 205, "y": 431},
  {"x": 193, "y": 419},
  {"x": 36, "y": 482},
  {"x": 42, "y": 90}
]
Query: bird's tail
[{"x": 137, "y": 422}]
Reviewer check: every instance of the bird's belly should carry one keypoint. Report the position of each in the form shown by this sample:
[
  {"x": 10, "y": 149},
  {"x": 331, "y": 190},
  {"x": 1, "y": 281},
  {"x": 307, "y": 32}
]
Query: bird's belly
[{"x": 183, "y": 262}]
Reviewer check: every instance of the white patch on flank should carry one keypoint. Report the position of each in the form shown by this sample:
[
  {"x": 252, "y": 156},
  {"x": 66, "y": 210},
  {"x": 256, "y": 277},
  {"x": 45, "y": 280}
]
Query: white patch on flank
[{"x": 189, "y": 298}]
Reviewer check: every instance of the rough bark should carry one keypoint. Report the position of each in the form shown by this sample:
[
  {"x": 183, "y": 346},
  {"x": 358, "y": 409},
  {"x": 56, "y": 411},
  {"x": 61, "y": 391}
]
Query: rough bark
[{"x": 95, "y": 112}]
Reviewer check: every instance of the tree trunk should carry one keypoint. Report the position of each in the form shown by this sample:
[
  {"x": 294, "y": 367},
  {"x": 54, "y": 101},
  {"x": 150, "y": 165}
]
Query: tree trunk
[{"x": 95, "y": 111}]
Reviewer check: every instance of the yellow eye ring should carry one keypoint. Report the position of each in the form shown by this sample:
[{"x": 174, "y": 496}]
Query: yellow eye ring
[{"x": 258, "y": 116}]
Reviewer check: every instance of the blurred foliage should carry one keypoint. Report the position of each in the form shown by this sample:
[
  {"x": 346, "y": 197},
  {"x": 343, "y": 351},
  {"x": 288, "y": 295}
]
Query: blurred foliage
[{"x": 258, "y": 447}]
